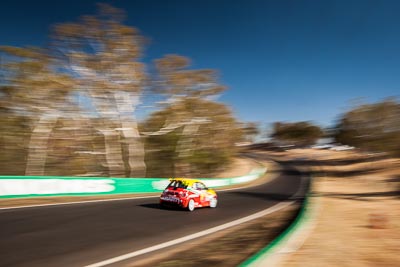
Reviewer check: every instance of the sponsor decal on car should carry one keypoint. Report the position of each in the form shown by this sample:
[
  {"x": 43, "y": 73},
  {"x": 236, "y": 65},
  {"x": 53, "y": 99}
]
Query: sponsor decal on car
[
  {"x": 189, "y": 194},
  {"x": 171, "y": 199}
]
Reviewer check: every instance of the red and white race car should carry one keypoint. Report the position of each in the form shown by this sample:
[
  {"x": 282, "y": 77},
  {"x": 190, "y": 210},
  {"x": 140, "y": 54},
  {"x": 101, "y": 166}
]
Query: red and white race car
[{"x": 188, "y": 194}]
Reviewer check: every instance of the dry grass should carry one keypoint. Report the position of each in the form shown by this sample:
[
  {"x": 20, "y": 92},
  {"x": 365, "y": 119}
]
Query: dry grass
[{"x": 359, "y": 220}]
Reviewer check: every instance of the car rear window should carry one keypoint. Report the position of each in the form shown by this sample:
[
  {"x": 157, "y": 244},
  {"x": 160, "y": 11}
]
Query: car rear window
[{"x": 177, "y": 184}]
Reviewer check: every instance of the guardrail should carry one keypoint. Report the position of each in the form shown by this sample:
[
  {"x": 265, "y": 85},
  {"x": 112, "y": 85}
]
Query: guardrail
[{"x": 34, "y": 186}]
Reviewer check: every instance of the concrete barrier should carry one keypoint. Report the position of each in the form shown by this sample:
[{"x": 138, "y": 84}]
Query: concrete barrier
[{"x": 35, "y": 186}]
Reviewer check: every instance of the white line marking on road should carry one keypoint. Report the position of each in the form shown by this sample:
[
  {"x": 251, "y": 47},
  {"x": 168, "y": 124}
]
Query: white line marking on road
[
  {"x": 254, "y": 216},
  {"x": 75, "y": 202},
  {"x": 111, "y": 199}
]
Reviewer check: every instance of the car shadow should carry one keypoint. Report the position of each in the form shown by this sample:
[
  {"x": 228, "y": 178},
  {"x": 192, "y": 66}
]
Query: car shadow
[
  {"x": 158, "y": 207},
  {"x": 151, "y": 206}
]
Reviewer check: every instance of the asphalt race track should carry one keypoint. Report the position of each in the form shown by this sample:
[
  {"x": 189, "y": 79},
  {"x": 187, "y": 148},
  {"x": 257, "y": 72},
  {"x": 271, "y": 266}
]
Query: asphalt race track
[{"x": 82, "y": 234}]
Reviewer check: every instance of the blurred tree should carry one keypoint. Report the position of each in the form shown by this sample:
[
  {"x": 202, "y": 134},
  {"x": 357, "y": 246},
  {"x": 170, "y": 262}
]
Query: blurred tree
[
  {"x": 103, "y": 54},
  {"x": 183, "y": 89},
  {"x": 77, "y": 101},
  {"x": 195, "y": 146},
  {"x": 76, "y": 150},
  {"x": 250, "y": 131},
  {"x": 373, "y": 127},
  {"x": 14, "y": 137},
  {"x": 32, "y": 88},
  {"x": 297, "y": 134},
  {"x": 176, "y": 80}
]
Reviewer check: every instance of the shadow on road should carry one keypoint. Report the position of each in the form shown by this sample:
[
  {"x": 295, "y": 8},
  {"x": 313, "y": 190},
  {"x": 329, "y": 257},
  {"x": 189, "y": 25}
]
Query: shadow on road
[
  {"x": 158, "y": 207},
  {"x": 151, "y": 205}
]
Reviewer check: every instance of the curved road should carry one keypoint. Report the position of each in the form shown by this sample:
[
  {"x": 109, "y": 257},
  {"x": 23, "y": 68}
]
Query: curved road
[{"x": 82, "y": 234}]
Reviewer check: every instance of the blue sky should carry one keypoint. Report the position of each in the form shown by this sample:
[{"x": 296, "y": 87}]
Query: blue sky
[{"x": 283, "y": 60}]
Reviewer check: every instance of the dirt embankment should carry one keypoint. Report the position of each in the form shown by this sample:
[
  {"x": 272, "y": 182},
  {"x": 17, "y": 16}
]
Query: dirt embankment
[{"x": 358, "y": 223}]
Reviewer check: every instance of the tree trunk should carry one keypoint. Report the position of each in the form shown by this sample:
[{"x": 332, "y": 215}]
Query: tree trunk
[
  {"x": 136, "y": 153},
  {"x": 113, "y": 153},
  {"x": 126, "y": 103},
  {"x": 37, "y": 149},
  {"x": 184, "y": 149},
  {"x": 112, "y": 145}
]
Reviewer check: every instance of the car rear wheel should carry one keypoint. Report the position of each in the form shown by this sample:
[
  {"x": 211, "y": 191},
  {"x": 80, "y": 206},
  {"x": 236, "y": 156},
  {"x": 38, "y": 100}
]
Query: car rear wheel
[
  {"x": 213, "y": 203},
  {"x": 190, "y": 205}
]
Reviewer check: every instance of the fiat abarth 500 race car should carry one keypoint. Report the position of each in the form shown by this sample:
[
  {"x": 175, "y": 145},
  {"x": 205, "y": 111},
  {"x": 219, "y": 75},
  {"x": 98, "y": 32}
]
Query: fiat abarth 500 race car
[{"x": 188, "y": 194}]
